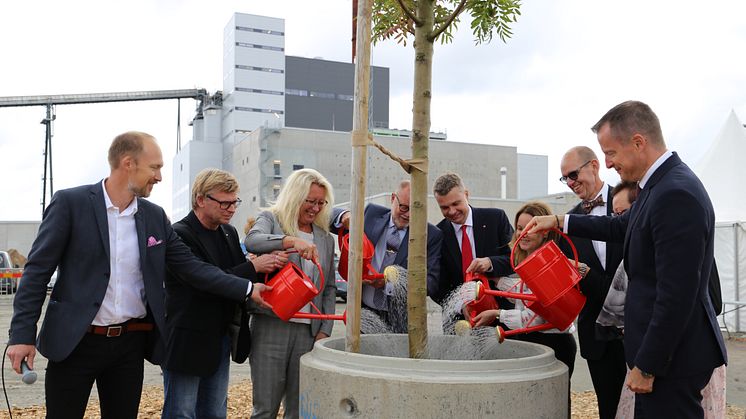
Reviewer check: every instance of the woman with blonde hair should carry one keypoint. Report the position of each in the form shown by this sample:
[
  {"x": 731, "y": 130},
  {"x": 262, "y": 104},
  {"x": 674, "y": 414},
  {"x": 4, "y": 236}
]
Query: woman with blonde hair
[{"x": 296, "y": 228}]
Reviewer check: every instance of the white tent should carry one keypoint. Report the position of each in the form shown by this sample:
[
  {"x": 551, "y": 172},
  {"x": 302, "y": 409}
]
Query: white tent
[{"x": 723, "y": 174}]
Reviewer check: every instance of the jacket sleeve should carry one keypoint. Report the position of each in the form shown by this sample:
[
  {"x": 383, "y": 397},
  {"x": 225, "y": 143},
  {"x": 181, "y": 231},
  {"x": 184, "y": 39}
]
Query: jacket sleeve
[
  {"x": 46, "y": 253},
  {"x": 260, "y": 239}
]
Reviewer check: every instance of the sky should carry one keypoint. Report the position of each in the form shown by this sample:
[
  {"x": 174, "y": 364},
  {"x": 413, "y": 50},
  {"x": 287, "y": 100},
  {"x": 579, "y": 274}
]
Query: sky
[{"x": 567, "y": 63}]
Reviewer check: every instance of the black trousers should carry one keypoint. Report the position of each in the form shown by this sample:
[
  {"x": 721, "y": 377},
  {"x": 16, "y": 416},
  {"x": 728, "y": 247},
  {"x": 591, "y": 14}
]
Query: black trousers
[
  {"x": 673, "y": 398},
  {"x": 116, "y": 366},
  {"x": 607, "y": 374}
]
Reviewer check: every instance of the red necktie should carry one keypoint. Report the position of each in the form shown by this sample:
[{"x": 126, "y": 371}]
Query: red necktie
[{"x": 466, "y": 256}]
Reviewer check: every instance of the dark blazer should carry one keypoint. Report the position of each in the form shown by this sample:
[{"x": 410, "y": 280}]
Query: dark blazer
[
  {"x": 595, "y": 285},
  {"x": 74, "y": 238},
  {"x": 375, "y": 221},
  {"x": 670, "y": 326},
  {"x": 492, "y": 234},
  {"x": 195, "y": 319}
]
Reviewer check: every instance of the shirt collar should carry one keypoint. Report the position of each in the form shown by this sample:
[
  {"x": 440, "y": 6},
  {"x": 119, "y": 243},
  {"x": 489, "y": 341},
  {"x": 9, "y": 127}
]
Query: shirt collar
[
  {"x": 130, "y": 210},
  {"x": 469, "y": 221},
  {"x": 602, "y": 191},
  {"x": 658, "y": 163}
]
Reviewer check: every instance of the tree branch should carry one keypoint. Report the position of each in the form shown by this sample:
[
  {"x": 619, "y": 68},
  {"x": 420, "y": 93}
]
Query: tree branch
[
  {"x": 457, "y": 11},
  {"x": 409, "y": 13}
]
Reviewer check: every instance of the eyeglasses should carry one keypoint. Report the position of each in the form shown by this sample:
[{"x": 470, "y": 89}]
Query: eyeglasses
[
  {"x": 619, "y": 213},
  {"x": 574, "y": 174},
  {"x": 319, "y": 203},
  {"x": 224, "y": 205},
  {"x": 402, "y": 208}
]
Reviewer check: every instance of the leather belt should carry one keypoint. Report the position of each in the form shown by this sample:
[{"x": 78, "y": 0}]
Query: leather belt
[{"x": 116, "y": 330}]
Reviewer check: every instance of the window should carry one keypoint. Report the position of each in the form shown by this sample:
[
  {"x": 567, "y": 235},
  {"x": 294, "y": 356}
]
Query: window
[
  {"x": 297, "y": 167},
  {"x": 322, "y": 95},
  {"x": 258, "y": 46},
  {"x": 262, "y": 91},
  {"x": 267, "y": 31},
  {"x": 296, "y": 92},
  {"x": 254, "y": 68},
  {"x": 276, "y": 165},
  {"x": 276, "y": 191}
]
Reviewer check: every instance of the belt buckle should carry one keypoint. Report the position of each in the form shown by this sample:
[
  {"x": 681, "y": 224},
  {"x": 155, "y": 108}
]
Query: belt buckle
[{"x": 114, "y": 331}]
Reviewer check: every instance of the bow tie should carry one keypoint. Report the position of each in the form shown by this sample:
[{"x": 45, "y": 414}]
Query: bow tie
[{"x": 589, "y": 205}]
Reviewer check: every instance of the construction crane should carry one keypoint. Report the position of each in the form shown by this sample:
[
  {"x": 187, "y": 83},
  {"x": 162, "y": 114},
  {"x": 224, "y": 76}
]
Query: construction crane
[{"x": 51, "y": 101}]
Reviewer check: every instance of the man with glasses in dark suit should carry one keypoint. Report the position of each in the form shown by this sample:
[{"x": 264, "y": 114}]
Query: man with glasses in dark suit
[
  {"x": 580, "y": 171},
  {"x": 388, "y": 231}
]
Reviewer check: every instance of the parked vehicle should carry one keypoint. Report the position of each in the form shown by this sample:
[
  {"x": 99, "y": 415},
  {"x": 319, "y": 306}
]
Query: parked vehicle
[{"x": 9, "y": 274}]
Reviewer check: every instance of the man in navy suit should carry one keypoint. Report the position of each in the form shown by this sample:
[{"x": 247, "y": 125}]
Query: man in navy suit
[
  {"x": 605, "y": 358},
  {"x": 106, "y": 312},
  {"x": 388, "y": 230},
  {"x": 487, "y": 231},
  {"x": 671, "y": 338}
]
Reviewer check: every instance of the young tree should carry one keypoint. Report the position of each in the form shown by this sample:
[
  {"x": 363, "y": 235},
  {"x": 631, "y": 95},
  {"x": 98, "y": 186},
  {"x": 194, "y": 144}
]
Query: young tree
[{"x": 428, "y": 21}]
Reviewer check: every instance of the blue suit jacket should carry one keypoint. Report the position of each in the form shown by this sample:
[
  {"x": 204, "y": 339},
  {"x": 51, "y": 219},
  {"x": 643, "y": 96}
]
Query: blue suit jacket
[
  {"x": 375, "y": 220},
  {"x": 74, "y": 236},
  {"x": 670, "y": 325}
]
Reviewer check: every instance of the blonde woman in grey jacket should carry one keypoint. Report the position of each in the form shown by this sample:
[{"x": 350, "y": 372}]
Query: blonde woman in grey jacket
[{"x": 298, "y": 221}]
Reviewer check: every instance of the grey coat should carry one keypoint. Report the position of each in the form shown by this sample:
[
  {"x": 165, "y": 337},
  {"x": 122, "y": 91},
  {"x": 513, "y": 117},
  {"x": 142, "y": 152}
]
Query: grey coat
[{"x": 266, "y": 236}]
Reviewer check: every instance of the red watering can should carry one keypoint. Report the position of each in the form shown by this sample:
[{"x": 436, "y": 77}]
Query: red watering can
[
  {"x": 482, "y": 302},
  {"x": 554, "y": 282},
  {"x": 368, "y": 252},
  {"x": 292, "y": 289}
]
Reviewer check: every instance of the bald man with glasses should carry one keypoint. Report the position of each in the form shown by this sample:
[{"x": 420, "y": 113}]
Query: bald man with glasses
[
  {"x": 388, "y": 230},
  {"x": 606, "y": 364}
]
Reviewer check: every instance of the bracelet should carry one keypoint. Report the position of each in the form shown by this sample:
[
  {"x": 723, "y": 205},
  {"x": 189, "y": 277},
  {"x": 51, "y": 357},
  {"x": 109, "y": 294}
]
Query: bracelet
[{"x": 556, "y": 218}]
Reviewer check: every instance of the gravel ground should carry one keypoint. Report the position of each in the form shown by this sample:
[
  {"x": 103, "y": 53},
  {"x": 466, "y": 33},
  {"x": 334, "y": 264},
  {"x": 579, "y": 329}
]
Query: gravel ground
[{"x": 239, "y": 405}]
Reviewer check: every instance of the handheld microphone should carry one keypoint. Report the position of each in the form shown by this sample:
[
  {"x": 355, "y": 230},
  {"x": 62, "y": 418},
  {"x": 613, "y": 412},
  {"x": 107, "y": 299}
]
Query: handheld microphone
[{"x": 29, "y": 375}]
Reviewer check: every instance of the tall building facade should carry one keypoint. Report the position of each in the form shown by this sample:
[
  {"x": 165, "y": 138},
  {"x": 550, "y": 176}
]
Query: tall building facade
[{"x": 279, "y": 113}]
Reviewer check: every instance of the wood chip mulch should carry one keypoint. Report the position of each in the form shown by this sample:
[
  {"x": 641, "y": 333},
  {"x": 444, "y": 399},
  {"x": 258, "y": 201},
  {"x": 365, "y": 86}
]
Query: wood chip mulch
[{"x": 239, "y": 405}]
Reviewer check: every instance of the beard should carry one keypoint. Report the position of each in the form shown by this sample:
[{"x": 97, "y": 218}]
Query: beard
[{"x": 141, "y": 192}]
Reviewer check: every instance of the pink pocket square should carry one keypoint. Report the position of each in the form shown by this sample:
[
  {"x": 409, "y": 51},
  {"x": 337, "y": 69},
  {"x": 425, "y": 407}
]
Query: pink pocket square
[{"x": 153, "y": 242}]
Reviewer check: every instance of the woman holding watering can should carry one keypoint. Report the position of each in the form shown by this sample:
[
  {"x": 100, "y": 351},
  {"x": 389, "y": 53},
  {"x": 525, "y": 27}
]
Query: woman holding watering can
[
  {"x": 561, "y": 341},
  {"x": 298, "y": 224}
]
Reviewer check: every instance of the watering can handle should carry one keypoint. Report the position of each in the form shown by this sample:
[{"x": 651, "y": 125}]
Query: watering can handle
[
  {"x": 321, "y": 272},
  {"x": 574, "y": 251}
]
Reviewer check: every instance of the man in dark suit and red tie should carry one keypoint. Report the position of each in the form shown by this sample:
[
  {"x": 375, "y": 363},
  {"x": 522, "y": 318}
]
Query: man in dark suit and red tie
[
  {"x": 106, "y": 312},
  {"x": 672, "y": 340},
  {"x": 605, "y": 358},
  {"x": 474, "y": 239}
]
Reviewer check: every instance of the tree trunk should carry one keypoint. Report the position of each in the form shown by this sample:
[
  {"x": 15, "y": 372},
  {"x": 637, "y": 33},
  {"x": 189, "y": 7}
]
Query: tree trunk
[
  {"x": 357, "y": 187},
  {"x": 417, "y": 262}
]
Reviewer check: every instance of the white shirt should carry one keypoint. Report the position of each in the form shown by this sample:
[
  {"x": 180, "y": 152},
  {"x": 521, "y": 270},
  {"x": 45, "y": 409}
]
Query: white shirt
[
  {"x": 522, "y": 316},
  {"x": 658, "y": 163},
  {"x": 125, "y": 293},
  {"x": 309, "y": 268},
  {"x": 600, "y": 246},
  {"x": 469, "y": 223}
]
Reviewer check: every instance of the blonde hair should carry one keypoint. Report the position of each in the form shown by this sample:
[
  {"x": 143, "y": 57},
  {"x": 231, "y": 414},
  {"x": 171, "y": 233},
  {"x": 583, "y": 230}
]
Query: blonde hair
[
  {"x": 212, "y": 180},
  {"x": 292, "y": 196},
  {"x": 534, "y": 208}
]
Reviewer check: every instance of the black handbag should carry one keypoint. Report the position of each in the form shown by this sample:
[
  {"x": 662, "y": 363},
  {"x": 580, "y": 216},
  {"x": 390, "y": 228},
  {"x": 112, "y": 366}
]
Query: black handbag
[{"x": 240, "y": 335}]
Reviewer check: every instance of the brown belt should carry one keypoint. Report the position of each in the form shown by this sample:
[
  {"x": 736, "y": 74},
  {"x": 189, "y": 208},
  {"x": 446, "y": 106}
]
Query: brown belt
[{"x": 119, "y": 329}]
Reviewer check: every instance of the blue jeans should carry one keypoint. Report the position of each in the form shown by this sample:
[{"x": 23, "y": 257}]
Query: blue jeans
[{"x": 190, "y": 396}]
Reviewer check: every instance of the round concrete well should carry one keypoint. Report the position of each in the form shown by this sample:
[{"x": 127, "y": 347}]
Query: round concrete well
[{"x": 463, "y": 377}]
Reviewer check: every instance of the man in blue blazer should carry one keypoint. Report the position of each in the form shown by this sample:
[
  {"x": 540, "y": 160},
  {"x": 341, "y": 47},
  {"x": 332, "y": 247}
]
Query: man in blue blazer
[
  {"x": 388, "y": 230},
  {"x": 671, "y": 338},
  {"x": 106, "y": 312}
]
